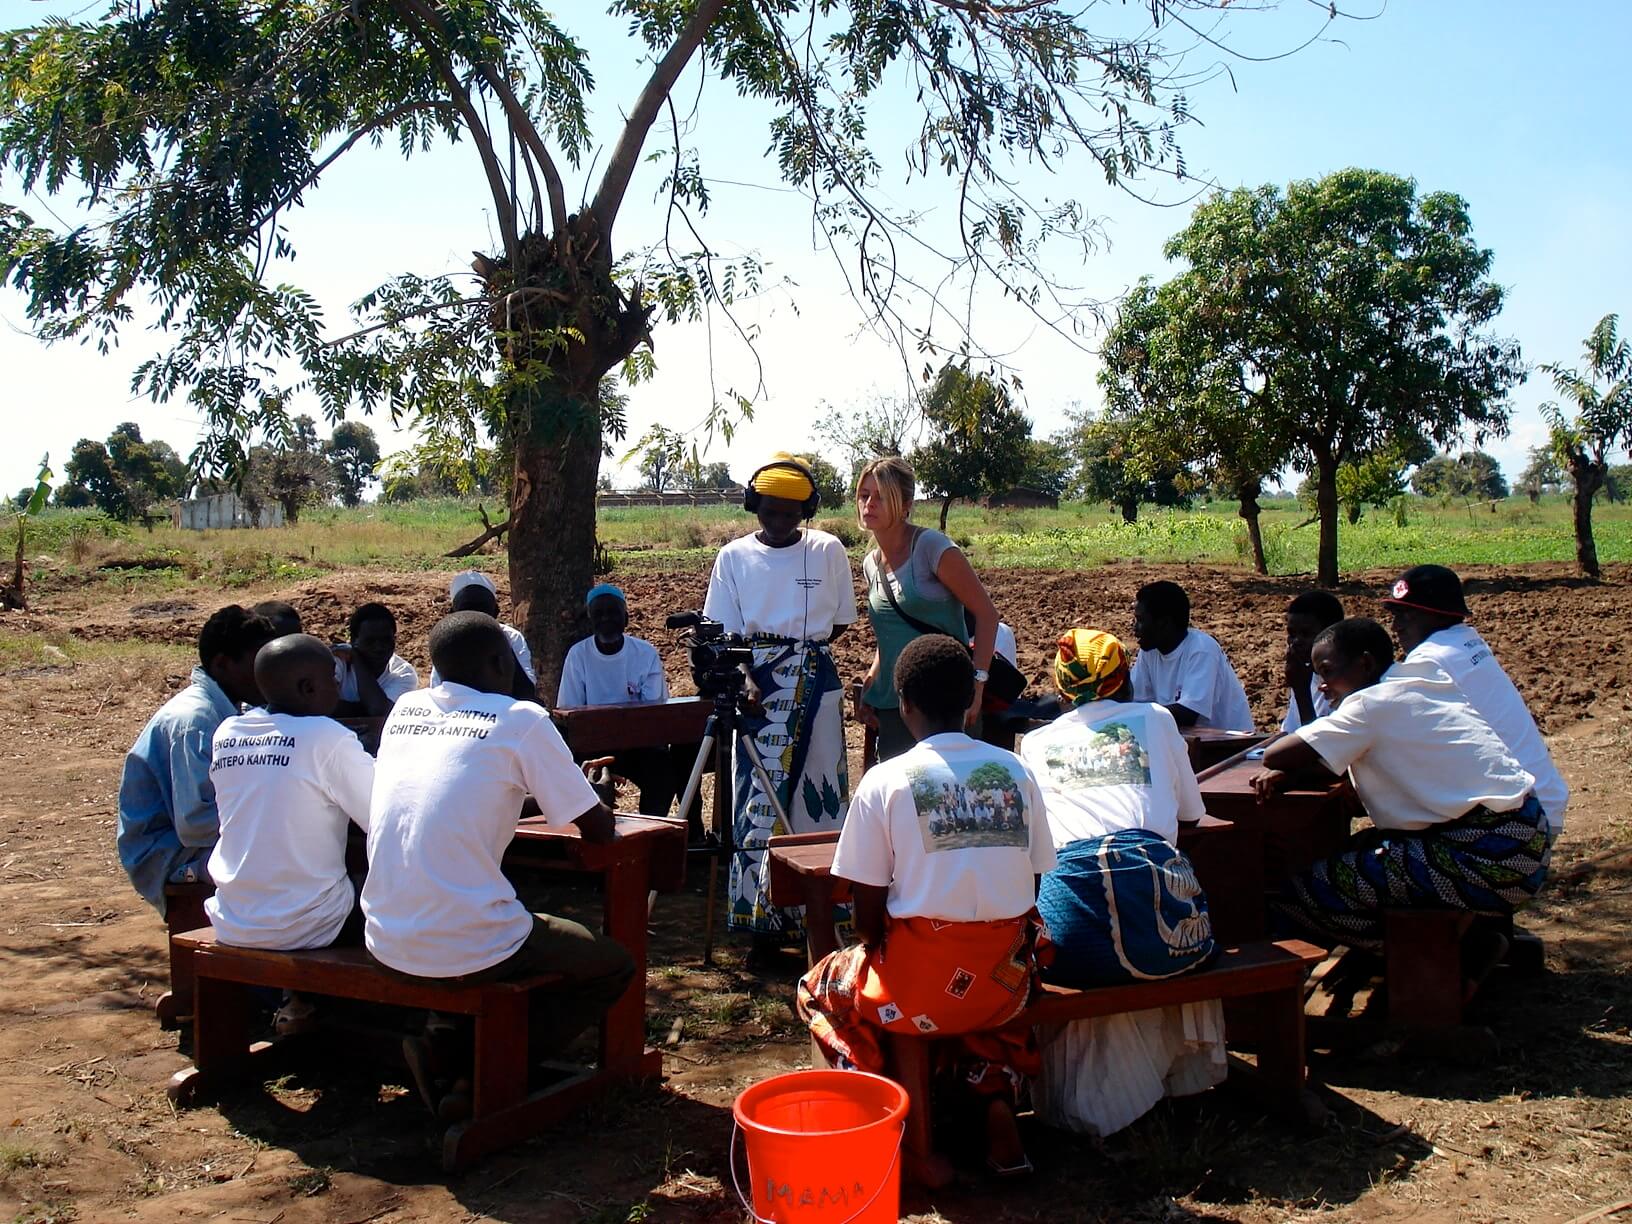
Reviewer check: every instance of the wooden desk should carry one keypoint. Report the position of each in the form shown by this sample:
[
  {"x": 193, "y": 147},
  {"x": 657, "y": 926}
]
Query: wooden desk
[
  {"x": 648, "y": 854},
  {"x": 592, "y": 731},
  {"x": 1296, "y": 827},
  {"x": 1228, "y": 862},
  {"x": 1208, "y": 745}
]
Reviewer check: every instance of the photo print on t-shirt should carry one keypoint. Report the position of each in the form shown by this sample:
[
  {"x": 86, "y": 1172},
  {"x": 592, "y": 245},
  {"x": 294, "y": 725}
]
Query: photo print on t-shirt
[
  {"x": 1111, "y": 754},
  {"x": 981, "y": 808}
]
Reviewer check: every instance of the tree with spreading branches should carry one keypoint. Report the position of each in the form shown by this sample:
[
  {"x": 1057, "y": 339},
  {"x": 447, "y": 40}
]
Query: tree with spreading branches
[
  {"x": 1602, "y": 421},
  {"x": 1186, "y": 404},
  {"x": 187, "y": 133},
  {"x": 1353, "y": 311}
]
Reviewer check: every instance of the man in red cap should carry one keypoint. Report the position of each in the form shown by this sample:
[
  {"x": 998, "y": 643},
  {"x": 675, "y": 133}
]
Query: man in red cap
[{"x": 1429, "y": 614}]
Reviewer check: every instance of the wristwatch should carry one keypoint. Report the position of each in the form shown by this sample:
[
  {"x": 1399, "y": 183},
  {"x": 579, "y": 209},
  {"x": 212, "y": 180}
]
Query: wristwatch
[{"x": 982, "y": 675}]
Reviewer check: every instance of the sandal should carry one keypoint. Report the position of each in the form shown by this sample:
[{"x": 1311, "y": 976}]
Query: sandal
[{"x": 295, "y": 1017}]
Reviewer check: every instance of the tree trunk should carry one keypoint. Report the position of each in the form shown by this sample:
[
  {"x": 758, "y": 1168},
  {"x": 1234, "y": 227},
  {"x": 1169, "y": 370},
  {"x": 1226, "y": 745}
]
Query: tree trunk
[
  {"x": 1588, "y": 476},
  {"x": 1352, "y": 512},
  {"x": 552, "y": 531},
  {"x": 1247, "y": 494},
  {"x": 946, "y": 505},
  {"x": 1130, "y": 509},
  {"x": 1326, "y": 507}
]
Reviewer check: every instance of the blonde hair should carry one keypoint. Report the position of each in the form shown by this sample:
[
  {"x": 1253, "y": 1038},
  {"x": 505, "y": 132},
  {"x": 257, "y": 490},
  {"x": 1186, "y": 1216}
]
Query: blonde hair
[{"x": 897, "y": 484}]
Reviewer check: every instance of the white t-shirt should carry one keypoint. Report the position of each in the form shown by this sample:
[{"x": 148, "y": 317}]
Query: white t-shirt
[
  {"x": 634, "y": 673},
  {"x": 1113, "y": 765},
  {"x": 399, "y": 677},
  {"x": 1462, "y": 655},
  {"x": 286, "y": 788},
  {"x": 1317, "y": 702},
  {"x": 518, "y": 643},
  {"x": 1418, "y": 753},
  {"x": 1006, "y": 645},
  {"x": 455, "y": 765},
  {"x": 801, "y": 591},
  {"x": 1196, "y": 675},
  {"x": 954, "y": 828}
]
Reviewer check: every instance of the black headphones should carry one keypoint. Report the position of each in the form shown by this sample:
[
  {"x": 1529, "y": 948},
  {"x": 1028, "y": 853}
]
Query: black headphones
[{"x": 807, "y": 508}]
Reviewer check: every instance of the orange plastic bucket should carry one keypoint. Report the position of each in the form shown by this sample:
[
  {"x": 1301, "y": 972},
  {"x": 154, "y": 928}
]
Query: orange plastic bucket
[{"x": 823, "y": 1147}]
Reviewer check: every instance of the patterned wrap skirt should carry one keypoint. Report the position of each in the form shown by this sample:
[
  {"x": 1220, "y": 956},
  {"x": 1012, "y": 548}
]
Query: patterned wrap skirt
[
  {"x": 800, "y": 739},
  {"x": 1123, "y": 908},
  {"x": 1484, "y": 862},
  {"x": 961, "y": 980}
]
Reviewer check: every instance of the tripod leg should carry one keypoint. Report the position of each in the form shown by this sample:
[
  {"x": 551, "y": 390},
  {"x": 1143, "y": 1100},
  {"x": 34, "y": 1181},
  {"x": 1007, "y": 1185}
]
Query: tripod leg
[
  {"x": 719, "y": 739},
  {"x": 704, "y": 750},
  {"x": 708, "y": 913}
]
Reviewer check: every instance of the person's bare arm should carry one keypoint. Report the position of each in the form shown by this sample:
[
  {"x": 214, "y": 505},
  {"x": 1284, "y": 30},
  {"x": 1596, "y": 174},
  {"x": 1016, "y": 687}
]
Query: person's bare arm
[
  {"x": 600, "y": 823},
  {"x": 959, "y": 577},
  {"x": 369, "y": 693},
  {"x": 1286, "y": 760},
  {"x": 869, "y": 913}
]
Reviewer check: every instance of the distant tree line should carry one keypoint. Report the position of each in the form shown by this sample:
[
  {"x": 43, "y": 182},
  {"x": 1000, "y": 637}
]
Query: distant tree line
[{"x": 126, "y": 475}]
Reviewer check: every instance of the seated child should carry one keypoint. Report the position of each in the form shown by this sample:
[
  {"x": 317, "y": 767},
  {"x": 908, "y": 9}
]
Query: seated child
[
  {"x": 284, "y": 617},
  {"x": 167, "y": 814},
  {"x": 288, "y": 781},
  {"x": 1429, "y": 614},
  {"x": 1456, "y": 821},
  {"x": 473, "y": 591},
  {"x": 372, "y": 674},
  {"x": 456, "y": 762},
  {"x": 1306, "y": 616},
  {"x": 942, "y": 846},
  {"x": 1123, "y": 904},
  {"x": 1182, "y": 668},
  {"x": 610, "y": 668}
]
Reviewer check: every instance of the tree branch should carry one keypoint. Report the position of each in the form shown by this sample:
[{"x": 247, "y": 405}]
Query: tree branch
[
  {"x": 460, "y": 97},
  {"x": 615, "y": 182},
  {"x": 520, "y": 121}
]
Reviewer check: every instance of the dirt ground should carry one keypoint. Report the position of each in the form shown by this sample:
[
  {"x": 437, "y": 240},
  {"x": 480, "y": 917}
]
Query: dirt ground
[{"x": 1541, "y": 1132}]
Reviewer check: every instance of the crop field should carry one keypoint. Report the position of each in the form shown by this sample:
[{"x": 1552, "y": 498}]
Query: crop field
[{"x": 76, "y": 546}]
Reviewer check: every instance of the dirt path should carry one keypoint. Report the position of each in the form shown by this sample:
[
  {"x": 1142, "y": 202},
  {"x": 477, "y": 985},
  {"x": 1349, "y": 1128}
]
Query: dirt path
[{"x": 1544, "y": 1132}]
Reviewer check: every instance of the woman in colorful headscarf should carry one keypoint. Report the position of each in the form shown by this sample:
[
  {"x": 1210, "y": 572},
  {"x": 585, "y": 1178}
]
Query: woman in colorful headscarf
[
  {"x": 789, "y": 588},
  {"x": 918, "y": 582},
  {"x": 1123, "y": 904}
]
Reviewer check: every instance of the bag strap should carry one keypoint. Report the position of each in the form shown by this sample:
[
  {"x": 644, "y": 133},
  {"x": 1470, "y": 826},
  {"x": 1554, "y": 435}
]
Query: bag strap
[{"x": 886, "y": 573}]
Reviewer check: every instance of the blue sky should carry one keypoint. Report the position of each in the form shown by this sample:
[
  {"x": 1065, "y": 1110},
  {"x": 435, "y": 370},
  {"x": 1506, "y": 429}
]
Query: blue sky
[{"x": 1518, "y": 107}]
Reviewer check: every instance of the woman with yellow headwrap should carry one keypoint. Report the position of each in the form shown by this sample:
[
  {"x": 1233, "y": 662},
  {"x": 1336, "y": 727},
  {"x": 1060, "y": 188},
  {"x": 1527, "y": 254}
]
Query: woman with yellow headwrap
[
  {"x": 789, "y": 588},
  {"x": 1123, "y": 904}
]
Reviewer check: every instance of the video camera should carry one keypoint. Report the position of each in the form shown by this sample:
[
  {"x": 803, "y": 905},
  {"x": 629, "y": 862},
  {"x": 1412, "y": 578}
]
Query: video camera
[{"x": 717, "y": 657}]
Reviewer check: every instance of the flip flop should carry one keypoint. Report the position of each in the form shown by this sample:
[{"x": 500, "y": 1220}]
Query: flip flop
[{"x": 1024, "y": 1169}]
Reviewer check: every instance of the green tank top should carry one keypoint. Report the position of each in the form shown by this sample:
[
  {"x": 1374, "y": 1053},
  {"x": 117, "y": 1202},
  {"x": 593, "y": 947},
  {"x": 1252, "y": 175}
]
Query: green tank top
[{"x": 939, "y": 608}]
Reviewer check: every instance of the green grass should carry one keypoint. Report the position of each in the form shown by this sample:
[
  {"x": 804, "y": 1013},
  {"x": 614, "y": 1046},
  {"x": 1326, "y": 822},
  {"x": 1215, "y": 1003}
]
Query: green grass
[{"x": 80, "y": 544}]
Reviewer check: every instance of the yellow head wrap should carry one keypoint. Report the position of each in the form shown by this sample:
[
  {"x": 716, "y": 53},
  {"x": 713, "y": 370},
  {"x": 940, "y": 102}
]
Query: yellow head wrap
[
  {"x": 1090, "y": 666},
  {"x": 785, "y": 482}
]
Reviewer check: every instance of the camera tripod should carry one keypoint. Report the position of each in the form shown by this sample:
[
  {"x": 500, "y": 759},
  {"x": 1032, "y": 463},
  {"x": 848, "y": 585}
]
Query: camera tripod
[{"x": 719, "y": 734}]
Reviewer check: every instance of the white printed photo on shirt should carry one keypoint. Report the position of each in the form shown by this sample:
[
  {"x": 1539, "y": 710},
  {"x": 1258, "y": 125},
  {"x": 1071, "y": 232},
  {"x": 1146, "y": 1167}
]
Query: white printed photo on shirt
[
  {"x": 984, "y": 807},
  {"x": 1111, "y": 754}
]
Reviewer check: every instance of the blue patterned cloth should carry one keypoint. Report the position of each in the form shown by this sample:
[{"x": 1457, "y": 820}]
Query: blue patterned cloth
[
  {"x": 1484, "y": 862},
  {"x": 1123, "y": 908}
]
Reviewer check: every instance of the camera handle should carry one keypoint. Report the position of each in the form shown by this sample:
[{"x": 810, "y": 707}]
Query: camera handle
[{"x": 719, "y": 733}]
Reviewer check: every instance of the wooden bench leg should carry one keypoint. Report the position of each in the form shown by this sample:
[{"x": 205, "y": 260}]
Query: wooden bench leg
[
  {"x": 623, "y": 1029},
  {"x": 1422, "y": 966},
  {"x": 501, "y": 1055},
  {"x": 1283, "y": 1057},
  {"x": 221, "y": 1048},
  {"x": 176, "y": 1004}
]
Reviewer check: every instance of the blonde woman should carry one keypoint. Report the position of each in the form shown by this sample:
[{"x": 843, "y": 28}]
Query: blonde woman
[{"x": 914, "y": 574}]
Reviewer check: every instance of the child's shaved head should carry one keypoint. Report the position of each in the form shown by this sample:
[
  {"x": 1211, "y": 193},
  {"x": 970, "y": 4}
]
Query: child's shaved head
[{"x": 295, "y": 674}]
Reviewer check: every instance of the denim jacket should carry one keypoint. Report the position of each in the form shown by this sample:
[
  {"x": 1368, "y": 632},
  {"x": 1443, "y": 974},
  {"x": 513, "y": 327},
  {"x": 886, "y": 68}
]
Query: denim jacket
[{"x": 167, "y": 816}]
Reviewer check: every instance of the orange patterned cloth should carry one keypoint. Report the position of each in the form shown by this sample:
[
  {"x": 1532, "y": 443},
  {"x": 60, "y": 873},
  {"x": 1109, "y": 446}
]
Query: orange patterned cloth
[{"x": 962, "y": 980}]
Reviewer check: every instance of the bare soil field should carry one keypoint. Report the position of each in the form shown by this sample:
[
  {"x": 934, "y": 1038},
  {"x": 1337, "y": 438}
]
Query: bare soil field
[{"x": 1541, "y": 1132}]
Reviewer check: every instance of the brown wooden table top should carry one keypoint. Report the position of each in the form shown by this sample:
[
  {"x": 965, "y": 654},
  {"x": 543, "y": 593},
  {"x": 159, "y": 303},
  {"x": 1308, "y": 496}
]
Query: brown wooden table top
[
  {"x": 601, "y": 730},
  {"x": 662, "y": 842},
  {"x": 1235, "y": 778}
]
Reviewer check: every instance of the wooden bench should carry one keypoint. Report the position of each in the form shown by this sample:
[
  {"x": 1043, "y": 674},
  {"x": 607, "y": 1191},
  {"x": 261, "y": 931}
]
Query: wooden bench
[
  {"x": 1264, "y": 982},
  {"x": 183, "y": 911},
  {"x": 503, "y": 1112}
]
